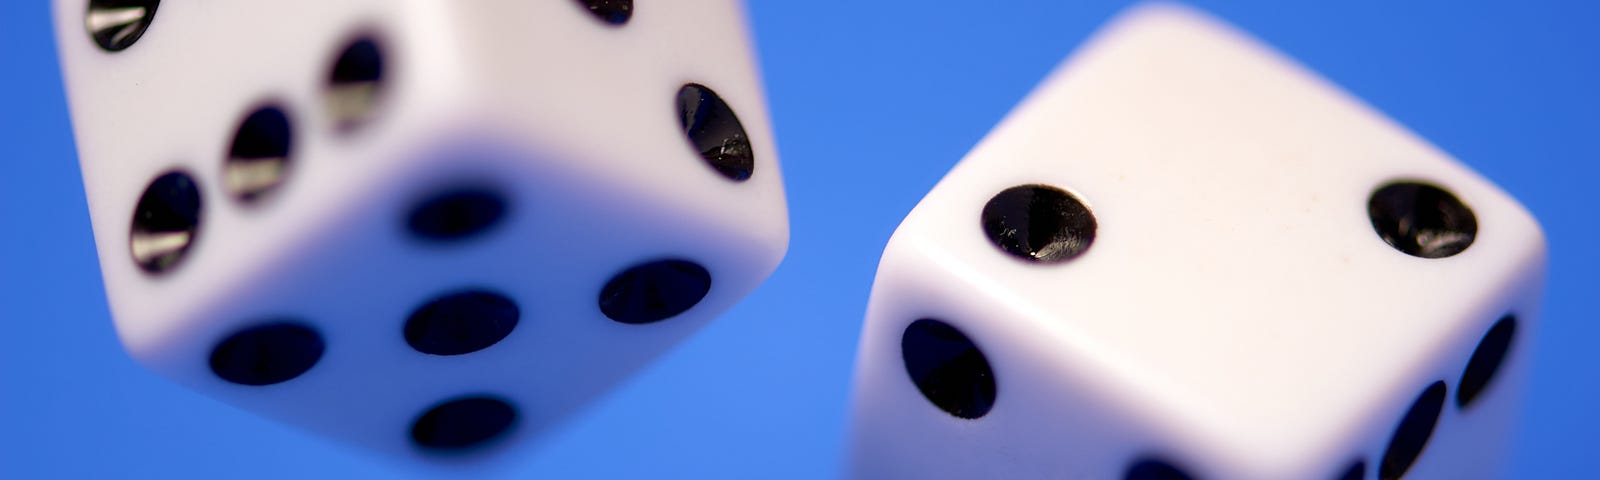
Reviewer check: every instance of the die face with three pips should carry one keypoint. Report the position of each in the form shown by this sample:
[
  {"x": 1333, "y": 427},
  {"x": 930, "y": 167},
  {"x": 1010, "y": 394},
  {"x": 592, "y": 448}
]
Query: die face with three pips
[{"x": 425, "y": 228}]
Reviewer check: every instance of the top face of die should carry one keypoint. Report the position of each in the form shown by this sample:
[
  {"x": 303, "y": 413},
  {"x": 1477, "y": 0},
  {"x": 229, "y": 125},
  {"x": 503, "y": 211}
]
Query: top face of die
[
  {"x": 279, "y": 115},
  {"x": 1224, "y": 235}
]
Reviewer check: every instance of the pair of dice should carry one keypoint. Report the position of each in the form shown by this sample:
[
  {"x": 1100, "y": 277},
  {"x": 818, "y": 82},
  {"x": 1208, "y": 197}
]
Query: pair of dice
[{"x": 432, "y": 229}]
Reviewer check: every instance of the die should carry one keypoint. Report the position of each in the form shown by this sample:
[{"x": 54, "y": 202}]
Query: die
[
  {"x": 1185, "y": 257},
  {"x": 431, "y": 229}
]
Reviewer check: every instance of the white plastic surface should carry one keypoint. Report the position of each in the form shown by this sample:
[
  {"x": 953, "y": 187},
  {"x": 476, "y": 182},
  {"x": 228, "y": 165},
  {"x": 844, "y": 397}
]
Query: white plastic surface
[
  {"x": 1236, "y": 314},
  {"x": 567, "y": 113}
]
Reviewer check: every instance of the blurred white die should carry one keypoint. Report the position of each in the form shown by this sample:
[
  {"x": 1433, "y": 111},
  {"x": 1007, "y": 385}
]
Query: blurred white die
[
  {"x": 424, "y": 227},
  {"x": 1184, "y": 256}
]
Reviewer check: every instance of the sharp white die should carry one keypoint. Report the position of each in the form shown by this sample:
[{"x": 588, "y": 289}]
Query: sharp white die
[
  {"x": 1184, "y": 256},
  {"x": 430, "y": 228}
]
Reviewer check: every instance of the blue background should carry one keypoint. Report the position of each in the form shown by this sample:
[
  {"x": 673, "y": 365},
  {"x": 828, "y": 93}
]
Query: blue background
[{"x": 873, "y": 102}]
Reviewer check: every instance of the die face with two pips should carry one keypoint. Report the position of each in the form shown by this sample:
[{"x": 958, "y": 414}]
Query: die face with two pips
[
  {"x": 1184, "y": 256},
  {"x": 425, "y": 228}
]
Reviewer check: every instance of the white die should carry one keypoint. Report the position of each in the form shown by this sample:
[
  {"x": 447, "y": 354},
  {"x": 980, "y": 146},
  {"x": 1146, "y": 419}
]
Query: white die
[
  {"x": 491, "y": 212},
  {"x": 1206, "y": 263}
]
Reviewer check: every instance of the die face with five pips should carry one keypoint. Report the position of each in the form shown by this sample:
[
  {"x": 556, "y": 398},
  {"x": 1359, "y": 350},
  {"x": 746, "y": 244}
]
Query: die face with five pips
[
  {"x": 429, "y": 234},
  {"x": 1185, "y": 257}
]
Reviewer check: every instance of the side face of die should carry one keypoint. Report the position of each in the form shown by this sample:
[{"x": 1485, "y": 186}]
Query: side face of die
[
  {"x": 1184, "y": 256},
  {"x": 366, "y": 219}
]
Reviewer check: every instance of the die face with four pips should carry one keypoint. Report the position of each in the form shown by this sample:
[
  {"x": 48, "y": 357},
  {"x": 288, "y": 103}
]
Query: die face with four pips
[
  {"x": 426, "y": 228},
  {"x": 1184, "y": 256}
]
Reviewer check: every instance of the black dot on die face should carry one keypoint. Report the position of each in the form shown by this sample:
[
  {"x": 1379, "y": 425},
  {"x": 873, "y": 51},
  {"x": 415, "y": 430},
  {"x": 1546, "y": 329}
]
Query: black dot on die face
[
  {"x": 268, "y": 353},
  {"x": 116, "y": 25},
  {"x": 948, "y": 368},
  {"x": 355, "y": 84},
  {"x": 715, "y": 132},
  {"x": 1486, "y": 360},
  {"x": 258, "y": 158},
  {"x": 1413, "y": 433},
  {"x": 166, "y": 222},
  {"x": 461, "y": 323},
  {"x": 463, "y": 423},
  {"x": 654, "y": 291},
  {"x": 1039, "y": 223},
  {"x": 1153, "y": 469},
  {"x": 613, "y": 12},
  {"x": 1422, "y": 220},
  {"x": 1356, "y": 471},
  {"x": 456, "y": 214}
]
